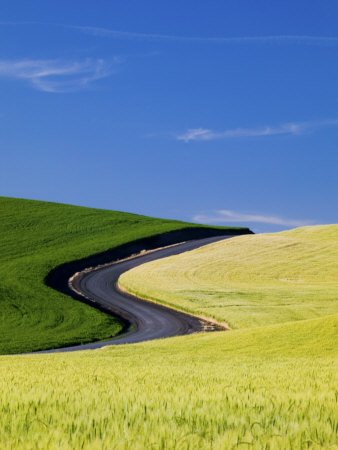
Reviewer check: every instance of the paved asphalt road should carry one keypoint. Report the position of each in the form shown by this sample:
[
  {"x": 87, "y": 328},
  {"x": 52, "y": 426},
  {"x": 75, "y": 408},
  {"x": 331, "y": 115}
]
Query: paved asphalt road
[{"x": 148, "y": 320}]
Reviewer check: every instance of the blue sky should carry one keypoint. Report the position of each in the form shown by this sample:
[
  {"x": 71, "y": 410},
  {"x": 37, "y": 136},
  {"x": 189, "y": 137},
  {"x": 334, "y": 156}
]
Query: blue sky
[{"x": 221, "y": 112}]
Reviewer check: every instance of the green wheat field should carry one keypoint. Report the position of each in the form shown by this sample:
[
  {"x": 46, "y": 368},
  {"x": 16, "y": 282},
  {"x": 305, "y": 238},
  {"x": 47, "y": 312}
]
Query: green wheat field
[{"x": 269, "y": 383}]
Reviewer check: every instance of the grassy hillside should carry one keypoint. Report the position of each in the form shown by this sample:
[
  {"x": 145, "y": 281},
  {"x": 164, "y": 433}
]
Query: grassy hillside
[
  {"x": 249, "y": 280},
  {"x": 36, "y": 237},
  {"x": 273, "y": 387}
]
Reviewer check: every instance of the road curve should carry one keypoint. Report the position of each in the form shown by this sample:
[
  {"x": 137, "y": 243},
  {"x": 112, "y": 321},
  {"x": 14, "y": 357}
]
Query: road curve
[{"x": 147, "y": 320}]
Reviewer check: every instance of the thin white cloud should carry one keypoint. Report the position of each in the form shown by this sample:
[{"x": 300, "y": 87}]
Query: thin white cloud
[
  {"x": 107, "y": 32},
  {"x": 50, "y": 75},
  {"x": 302, "y": 39},
  {"x": 226, "y": 216},
  {"x": 205, "y": 134}
]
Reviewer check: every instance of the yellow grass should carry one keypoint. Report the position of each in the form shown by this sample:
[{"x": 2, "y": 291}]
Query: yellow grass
[
  {"x": 249, "y": 280},
  {"x": 273, "y": 387}
]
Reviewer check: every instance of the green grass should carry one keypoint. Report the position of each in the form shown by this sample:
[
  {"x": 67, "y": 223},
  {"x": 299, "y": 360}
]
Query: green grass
[
  {"x": 35, "y": 238},
  {"x": 261, "y": 388},
  {"x": 249, "y": 281}
]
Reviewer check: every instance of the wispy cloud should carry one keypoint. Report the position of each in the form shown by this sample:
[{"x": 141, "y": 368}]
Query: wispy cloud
[
  {"x": 225, "y": 216},
  {"x": 112, "y": 33},
  {"x": 50, "y": 75},
  {"x": 300, "y": 39},
  {"x": 205, "y": 134}
]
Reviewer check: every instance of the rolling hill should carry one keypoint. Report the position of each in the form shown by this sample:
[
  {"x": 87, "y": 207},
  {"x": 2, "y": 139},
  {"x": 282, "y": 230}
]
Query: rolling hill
[
  {"x": 265, "y": 385},
  {"x": 38, "y": 236},
  {"x": 250, "y": 280}
]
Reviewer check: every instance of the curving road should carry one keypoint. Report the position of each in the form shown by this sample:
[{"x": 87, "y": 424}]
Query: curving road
[{"x": 148, "y": 320}]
